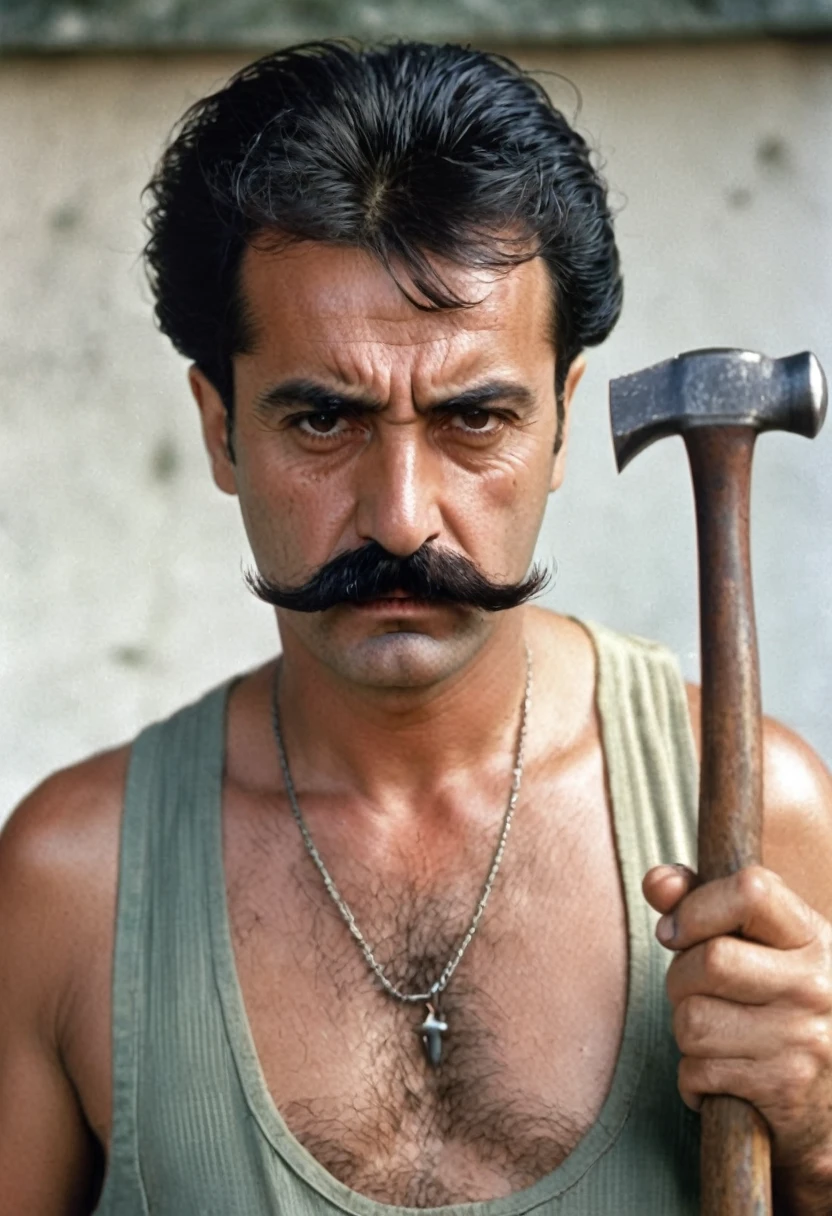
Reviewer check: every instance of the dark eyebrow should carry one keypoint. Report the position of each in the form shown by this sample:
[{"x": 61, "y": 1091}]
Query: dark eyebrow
[
  {"x": 485, "y": 394},
  {"x": 309, "y": 392},
  {"x": 322, "y": 399}
]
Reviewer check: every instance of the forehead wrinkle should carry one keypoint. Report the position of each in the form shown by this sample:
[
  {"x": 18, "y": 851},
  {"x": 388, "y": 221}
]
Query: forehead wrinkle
[
  {"x": 343, "y": 291},
  {"x": 359, "y": 331},
  {"x": 403, "y": 394},
  {"x": 357, "y": 368},
  {"x": 385, "y": 343},
  {"x": 359, "y": 328},
  {"x": 362, "y": 326}
]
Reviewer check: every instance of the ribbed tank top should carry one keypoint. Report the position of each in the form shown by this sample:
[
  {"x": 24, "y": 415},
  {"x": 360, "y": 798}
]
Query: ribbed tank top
[{"x": 195, "y": 1131}]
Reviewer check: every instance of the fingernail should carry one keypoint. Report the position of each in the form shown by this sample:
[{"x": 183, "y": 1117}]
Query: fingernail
[{"x": 666, "y": 929}]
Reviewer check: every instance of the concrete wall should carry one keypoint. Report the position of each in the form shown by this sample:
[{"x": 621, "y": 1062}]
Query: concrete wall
[{"x": 120, "y": 594}]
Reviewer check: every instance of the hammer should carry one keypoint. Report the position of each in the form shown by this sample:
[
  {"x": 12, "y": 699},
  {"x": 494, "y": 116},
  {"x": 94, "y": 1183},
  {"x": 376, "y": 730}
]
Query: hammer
[{"x": 719, "y": 400}]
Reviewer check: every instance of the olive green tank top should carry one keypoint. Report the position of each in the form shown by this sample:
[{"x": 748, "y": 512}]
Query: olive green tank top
[{"x": 195, "y": 1131}]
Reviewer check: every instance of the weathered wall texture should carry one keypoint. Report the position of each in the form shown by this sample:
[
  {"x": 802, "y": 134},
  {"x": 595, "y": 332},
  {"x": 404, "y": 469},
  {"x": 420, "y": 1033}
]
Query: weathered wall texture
[
  {"x": 203, "y": 24},
  {"x": 120, "y": 594}
]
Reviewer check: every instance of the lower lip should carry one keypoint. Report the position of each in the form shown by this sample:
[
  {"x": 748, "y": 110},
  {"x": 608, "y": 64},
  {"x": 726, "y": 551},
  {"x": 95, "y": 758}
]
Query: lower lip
[{"x": 394, "y": 606}]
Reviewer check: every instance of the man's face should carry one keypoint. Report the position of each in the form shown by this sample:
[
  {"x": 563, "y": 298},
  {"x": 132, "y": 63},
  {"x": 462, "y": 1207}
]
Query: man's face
[{"x": 351, "y": 426}]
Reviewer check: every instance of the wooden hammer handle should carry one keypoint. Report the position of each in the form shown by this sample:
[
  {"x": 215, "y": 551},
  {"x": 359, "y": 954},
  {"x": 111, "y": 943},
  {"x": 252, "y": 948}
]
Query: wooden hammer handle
[{"x": 735, "y": 1166}]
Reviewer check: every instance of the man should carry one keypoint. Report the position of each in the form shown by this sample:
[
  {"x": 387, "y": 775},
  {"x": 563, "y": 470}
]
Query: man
[{"x": 363, "y": 928}]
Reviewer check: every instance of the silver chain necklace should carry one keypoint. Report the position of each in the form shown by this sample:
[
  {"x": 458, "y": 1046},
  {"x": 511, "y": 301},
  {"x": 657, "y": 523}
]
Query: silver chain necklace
[{"x": 435, "y": 1025}]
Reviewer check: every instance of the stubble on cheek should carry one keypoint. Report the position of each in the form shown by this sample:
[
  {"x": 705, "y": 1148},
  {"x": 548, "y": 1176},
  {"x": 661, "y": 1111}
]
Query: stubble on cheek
[
  {"x": 288, "y": 537},
  {"x": 502, "y": 517}
]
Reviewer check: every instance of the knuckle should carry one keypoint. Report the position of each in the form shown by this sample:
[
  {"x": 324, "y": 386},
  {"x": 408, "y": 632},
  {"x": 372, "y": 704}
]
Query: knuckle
[
  {"x": 759, "y": 1086},
  {"x": 690, "y": 1022},
  {"x": 700, "y": 1076},
  {"x": 712, "y": 1075},
  {"x": 799, "y": 1074},
  {"x": 824, "y": 941},
  {"x": 817, "y": 1038},
  {"x": 754, "y": 886},
  {"x": 715, "y": 959},
  {"x": 815, "y": 990}
]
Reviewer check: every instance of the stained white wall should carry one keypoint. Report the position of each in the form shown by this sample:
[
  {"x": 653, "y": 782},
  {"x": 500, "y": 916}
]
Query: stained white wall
[{"x": 120, "y": 593}]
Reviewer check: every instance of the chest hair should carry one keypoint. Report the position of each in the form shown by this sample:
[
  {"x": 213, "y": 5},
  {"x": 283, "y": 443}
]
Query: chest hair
[{"x": 380, "y": 1118}]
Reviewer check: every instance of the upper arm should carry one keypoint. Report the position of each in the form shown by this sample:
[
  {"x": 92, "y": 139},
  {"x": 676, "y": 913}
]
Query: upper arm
[
  {"x": 797, "y": 811},
  {"x": 50, "y": 1162},
  {"x": 797, "y": 816}
]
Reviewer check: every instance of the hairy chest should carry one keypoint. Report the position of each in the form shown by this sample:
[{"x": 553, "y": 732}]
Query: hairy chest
[{"x": 534, "y": 1014}]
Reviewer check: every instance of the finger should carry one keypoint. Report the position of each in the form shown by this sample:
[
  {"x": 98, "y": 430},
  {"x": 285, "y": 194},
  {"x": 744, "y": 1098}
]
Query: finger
[
  {"x": 706, "y": 1027},
  {"x": 737, "y": 970},
  {"x": 664, "y": 886},
  {"x": 697, "y": 1078},
  {"x": 776, "y": 1086},
  {"x": 753, "y": 902}
]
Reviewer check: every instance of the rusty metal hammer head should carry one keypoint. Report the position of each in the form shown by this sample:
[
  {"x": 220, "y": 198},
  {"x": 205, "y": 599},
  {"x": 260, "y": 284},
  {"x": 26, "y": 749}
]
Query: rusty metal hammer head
[{"x": 716, "y": 388}]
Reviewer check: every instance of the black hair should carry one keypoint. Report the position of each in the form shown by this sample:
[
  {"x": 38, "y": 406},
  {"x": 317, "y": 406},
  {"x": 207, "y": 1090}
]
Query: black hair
[{"x": 406, "y": 150}]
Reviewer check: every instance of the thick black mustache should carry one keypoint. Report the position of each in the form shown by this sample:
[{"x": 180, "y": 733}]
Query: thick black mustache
[{"x": 371, "y": 573}]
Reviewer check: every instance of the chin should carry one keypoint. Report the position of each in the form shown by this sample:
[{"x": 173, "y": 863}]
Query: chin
[{"x": 402, "y": 658}]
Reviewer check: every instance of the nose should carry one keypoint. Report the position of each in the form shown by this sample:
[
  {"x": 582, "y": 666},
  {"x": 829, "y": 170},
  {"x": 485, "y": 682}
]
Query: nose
[{"x": 398, "y": 490}]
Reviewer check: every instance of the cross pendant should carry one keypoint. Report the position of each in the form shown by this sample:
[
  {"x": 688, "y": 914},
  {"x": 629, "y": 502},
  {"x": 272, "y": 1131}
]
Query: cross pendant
[{"x": 431, "y": 1031}]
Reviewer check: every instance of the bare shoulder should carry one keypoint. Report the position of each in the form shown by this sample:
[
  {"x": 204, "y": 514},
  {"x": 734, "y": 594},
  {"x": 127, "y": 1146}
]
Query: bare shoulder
[
  {"x": 58, "y": 880},
  {"x": 797, "y": 824},
  {"x": 58, "y": 876},
  {"x": 797, "y": 810},
  {"x": 73, "y": 811}
]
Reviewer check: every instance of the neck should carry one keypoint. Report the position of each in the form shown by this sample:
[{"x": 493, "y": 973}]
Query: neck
[{"x": 399, "y": 745}]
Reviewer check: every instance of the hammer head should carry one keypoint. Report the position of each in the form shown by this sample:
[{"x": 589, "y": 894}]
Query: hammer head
[{"x": 716, "y": 388}]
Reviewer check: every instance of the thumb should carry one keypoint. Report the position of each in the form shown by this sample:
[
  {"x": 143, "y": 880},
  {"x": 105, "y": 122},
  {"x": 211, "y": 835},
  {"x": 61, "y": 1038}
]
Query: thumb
[{"x": 664, "y": 886}]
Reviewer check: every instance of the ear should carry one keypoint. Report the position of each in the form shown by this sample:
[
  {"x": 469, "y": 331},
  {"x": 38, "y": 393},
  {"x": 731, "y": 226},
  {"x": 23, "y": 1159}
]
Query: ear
[
  {"x": 573, "y": 378},
  {"x": 214, "y": 429}
]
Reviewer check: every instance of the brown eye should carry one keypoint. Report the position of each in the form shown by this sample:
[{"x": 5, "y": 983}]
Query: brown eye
[
  {"x": 321, "y": 424},
  {"x": 476, "y": 420},
  {"x": 328, "y": 425},
  {"x": 324, "y": 425},
  {"x": 479, "y": 422}
]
